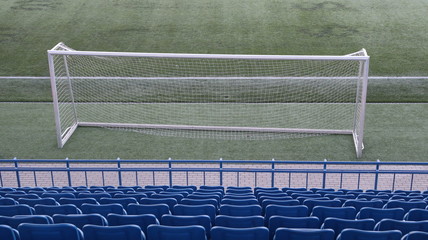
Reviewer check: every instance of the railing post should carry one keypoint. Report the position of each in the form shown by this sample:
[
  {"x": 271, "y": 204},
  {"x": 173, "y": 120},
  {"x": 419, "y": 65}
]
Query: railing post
[
  {"x": 18, "y": 180},
  {"x": 170, "y": 172},
  {"x": 67, "y": 164},
  {"x": 376, "y": 174},
  {"x": 324, "y": 173},
  {"x": 272, "y": 184},
  {"x": 119, "y": 172},
  {"x": 221, "y": 171}
]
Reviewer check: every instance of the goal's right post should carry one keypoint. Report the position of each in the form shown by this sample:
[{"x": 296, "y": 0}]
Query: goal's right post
[{"x": 360, "y": 105}]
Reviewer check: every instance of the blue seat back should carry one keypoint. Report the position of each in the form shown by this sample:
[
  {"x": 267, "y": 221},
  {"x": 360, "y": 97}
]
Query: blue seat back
[
  {"x": 311, "y": 203},
  {"x": 12, "y": 210},
  {"x": 244, "y": 210},
  {"x": 416, "y": 215},
  {"x": 128, "y": 232},
  {"x": 77, "y": 201},
  {"x": 357, "y": 234},
  {"x": 96, "y": 196},
  {"x": 358, "y": 204},
  {"x": 378, "y": 214},
  {"x": 303, "y": 234},
  {"x": 8, "y": 201},
  {"x": 190, "y": 201},
  {"x": 18, "y": 219},
  {"x": 57, "y": 196},
  {"x": 160, "y": 232},
  {"x": 104, "y": 209},
  {"x": 80, "y": 220},
  {"x": 246, "y": 201},
  {"x": 50, "y": 210},
  {"x": 33, "y": 202},
  {"x": 276, "y": 222},
  {"x": 403, "y": 226},
  {"x": 63, "y": 231},
  {"x": 405, "y": 205},
  {"x": 416, "y": 235},
  {"x": 122, "y": 201},
  {"x": 142, "y": 220},
  {"x": 323, "y": 212},
  {"x": 338, "y": 224},
  {"x": 8, "y": 233},
  {"x": 239, "y": 222},
  {"x": 156, "y": 209},
  {"x": 190, "y": 210},
  {"x": 171, "y": 202},
  {"x": 226, "y": 233},
  {"x": 201, "y": 220}
]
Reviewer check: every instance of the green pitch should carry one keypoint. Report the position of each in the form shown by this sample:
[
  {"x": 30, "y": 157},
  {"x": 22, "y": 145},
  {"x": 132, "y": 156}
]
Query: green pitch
[
  {"x": 394, "y": 33},
  {"x": 394, "y": 132}
]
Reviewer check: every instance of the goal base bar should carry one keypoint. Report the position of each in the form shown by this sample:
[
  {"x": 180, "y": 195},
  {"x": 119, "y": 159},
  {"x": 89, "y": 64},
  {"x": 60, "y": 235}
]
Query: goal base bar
[{"x": 213, "y": 128}]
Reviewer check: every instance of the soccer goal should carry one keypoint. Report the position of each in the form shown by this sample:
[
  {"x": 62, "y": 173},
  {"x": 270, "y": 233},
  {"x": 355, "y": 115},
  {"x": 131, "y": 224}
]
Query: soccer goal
[{"x": 219, "y": 96}]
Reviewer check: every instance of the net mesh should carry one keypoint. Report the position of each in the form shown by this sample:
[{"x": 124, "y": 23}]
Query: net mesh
[{"x": 224, "y": 98}]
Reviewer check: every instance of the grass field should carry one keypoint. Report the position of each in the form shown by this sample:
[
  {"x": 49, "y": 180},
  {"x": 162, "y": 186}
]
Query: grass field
[{"x": 394, "y": 34}]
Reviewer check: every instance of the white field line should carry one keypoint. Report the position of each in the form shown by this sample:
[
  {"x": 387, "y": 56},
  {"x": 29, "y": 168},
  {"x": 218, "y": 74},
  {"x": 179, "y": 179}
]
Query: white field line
[{"x": 373, "y": 77}]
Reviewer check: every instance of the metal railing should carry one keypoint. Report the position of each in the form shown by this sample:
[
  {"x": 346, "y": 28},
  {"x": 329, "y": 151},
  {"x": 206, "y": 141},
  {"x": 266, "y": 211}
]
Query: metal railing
[{"x": 273, "y": 173}]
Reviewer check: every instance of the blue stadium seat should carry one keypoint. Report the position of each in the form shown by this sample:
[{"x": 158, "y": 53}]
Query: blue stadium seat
[
  {"x": 311, "y": 203},
  {"x": 191, "y": 210},
  {"x": 239, "y": 191},
  {"x": 266, "y": 202},
  {"x": 370, "y": 197},
  {"x": 128, "y": 232},
  {"x": 323, "y": 212},
  {"x": 22, "y": 195},
  {"x": 156, "y": 209},
  {"x": 12, "y": 210},
  {"x": 357, "y": 234},
  {"x": 405, "y": 205},
  {"x": 171, "y": 202},
  {"x": 225, "y": 233},
  {"x": 338, "y": 224},
  {"x": 378, "y": 214},
  {"x": 145, "y": 191},
  {"x": 96, "y": 196},
  {"x": 172, "y": 191},
  {"x": 163, "y": 187},
  {"x": 415, "y": 235},
  {"x": 245, "y": 201},
  {"x": 63, "y": 231},
  {"x": 189, "y": 201},
  {"x": 8, "y": 233},
  {"x": 142, "y": 220},
  {"x": 303, "y": 234},
  {"x": 80, "y": 220},
  {"x": 33, "y": 202},
  {"x": 201, "y": 220},
  {"x": 358, "y": 204},
  {"x": 276, "y": 222},
  {"x": 122, "y": 201},
  {"x": 104, "y": 209},
  {"x": 18, "y": 219},
  {"x": 277, "y": 198},
  {"x": 8, "y": 201},
  {"x": 322, "y": 189},
  {"x": 239, "y": 196},
  {"x": 221, "y": 188},
  {"x": 285, "y": 211},
  {"x": 197, "y": 195},
  {"x": 295, "y": 195},
  {"x": 176, "y": 196},
  {"x": 243, "y": 210},
  {"x": 180, "y": 190},
  {"x": 403, "y": 226},
  {"x": 161, "y": 232},
  {"x": 50, "y": 210},
  {"x": 77, "y": 201},
  {"x": 57, "y": 196},
  {"x": 416, "y": 215},
  {"x": 239, "y": 222},
  {"x": 136, "y": 195},
  {"x": 194, "y": 188}
]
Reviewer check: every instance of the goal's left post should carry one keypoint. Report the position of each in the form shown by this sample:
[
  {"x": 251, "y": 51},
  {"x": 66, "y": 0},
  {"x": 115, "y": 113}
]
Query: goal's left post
[{"x": 64, "y": 108}]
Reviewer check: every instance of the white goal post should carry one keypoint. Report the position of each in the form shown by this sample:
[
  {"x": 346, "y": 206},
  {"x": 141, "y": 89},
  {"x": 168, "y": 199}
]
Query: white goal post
[{"x": 222, "y": 96}]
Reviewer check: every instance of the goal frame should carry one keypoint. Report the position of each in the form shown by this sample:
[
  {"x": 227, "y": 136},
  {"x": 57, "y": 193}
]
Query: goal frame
[{"x": 63, "y": 135}]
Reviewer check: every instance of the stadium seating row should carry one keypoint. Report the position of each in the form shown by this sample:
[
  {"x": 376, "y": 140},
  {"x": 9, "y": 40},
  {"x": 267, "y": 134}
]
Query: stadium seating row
[{"x": 234, "y": 211}]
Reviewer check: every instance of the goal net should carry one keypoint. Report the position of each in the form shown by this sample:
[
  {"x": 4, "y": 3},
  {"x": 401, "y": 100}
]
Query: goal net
[{"x": 209, "y": 95}]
